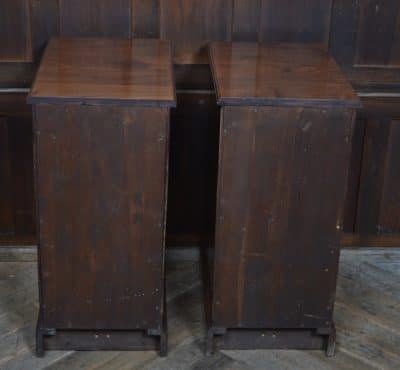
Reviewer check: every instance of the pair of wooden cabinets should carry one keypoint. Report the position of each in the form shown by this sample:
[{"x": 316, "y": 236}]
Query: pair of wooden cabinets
[{"x": 101, "y": 133}]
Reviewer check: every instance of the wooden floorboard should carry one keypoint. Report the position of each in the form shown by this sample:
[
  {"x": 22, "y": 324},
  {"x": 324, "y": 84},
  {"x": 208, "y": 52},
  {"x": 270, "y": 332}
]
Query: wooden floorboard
[{"x": 367, "y": 315}]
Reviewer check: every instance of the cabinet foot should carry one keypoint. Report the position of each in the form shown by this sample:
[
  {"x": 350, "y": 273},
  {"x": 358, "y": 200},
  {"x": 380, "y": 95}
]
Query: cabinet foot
[
  {"x": 331, "y": 346},
  {"x": 39, "y": 350},
  {"x": 210, "y": 342}
]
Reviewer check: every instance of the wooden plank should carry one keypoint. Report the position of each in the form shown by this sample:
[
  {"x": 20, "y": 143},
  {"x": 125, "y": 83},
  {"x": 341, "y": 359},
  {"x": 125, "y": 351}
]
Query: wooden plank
[
  {"x": 191, "y": 24},
  {"x": 146, "y": 18},
  {"x": 267, "y": 230},
  {"x": 378, "y": 36},
  {"x": 389, "y": 215},
  {"x": 103, "y": 226},
  {"x": 379, "y": 241},
  {"x": 45, "y": 24},
  {"x": 95, "y": 18},
  {"x": 300, "y": 21},
  {"x": 246, "y": 20},
  {"x": 372, "y": 178},
  {"x": 353, "y": 183},
  {"x": 15, "y": 38}
]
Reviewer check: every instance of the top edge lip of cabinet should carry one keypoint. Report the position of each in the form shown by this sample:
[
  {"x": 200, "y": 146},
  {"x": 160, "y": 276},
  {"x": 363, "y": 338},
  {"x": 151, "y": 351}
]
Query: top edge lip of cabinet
[
  {"x": 258, "y": 74},
  {"x": 105, "y": 71}
]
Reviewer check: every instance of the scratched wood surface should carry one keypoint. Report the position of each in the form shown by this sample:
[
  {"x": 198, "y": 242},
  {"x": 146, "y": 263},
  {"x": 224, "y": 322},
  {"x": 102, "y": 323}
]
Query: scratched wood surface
[
  {"x": 109, "y": 214},
  {"x": 367, "y": 316}
]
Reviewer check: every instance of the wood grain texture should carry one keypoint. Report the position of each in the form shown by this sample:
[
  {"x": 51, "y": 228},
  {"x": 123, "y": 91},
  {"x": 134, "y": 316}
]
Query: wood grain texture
[
  {"x": 299, "y": 21},
  {"x": 88, "y": 161},
  {"x": 45, "y": 16},
  {"x": 378, "y": 203},
  {"x": 15, "y": 37},
  {"x": 191, "y": 24},
  {"x": 279, "y": 222},
  {"x": 105, "y": 70},
  {"x": 146, "y": 18},
  {"x": 365, "y": 39},
  {"x": 378, "y": 41},
  {"x": 110, "y": 18},
  {"x": 246, "y": 20},
  {"x": 353, "y": 183},
  {"x": 260, "y": 74}
]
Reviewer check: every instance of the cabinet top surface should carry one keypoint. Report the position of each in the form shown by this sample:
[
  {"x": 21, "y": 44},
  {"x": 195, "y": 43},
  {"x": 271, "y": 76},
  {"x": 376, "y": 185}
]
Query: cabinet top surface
[
  {"x": 282, "y": 74},
  {"x": 105, "y": 70}
]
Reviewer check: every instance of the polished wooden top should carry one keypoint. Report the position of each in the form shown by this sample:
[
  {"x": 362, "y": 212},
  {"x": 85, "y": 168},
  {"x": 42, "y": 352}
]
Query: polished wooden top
[
  {"x": 103, "y": 70},
  {"x": 282, "y": 74}
]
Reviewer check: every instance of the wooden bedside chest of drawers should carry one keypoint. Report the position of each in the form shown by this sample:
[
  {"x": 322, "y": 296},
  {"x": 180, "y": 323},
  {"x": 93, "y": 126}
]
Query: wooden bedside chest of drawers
[
  {"x": 101, "y": 126},
  {"x": 287, "y": 115}
]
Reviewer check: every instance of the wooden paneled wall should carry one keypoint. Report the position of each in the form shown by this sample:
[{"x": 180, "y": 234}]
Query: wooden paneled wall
[
  {"x": 363, "y": 35},
  {"x": 190, "y": 24}
]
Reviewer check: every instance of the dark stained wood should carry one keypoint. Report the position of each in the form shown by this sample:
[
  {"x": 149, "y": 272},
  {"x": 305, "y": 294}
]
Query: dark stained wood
[
  {"x": 191, "y": 24},
  {"x": 363, "y": 35},
  {"x": 261, "y": 74},
  {"x": 110, "y": 215},
  {"x": 45, "y": 24},
  {"x": 105, "y": 70},
  {"x": 246, "y": 20},
  {"x": 379, "y": 201},
  {"x": 378, "y": 34},
  {"x": 146, "y": 18},
  {"x": 353, "y": 183},
  {"x": 16, "y": 75},
  {"x": 365, "y": 39},
  {"x": 282, "y": 235},
  {"x": 95, "y": 18},
  {"x": 101, "y": 179},
  {"x": 281, "y": 190},
  {"x": 372, "y": 205},
  {"x": 295, "y": 21},
  {"x": 15, "y": 41}
]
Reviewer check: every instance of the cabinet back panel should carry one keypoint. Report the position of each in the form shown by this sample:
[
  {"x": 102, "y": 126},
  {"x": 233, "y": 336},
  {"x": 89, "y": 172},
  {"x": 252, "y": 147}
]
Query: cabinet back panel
[{"x": 101, "y": 175}]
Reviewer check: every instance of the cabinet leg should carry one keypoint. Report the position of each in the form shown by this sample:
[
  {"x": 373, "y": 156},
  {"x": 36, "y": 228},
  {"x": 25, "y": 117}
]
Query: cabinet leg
[
  {"x": 164, "y": 333},
  {"x": 210, "y": 342},
  {"x": 39, "y": 343},
  {"x": 163, "y": 343},
  {"x": 331, "y": 346}
]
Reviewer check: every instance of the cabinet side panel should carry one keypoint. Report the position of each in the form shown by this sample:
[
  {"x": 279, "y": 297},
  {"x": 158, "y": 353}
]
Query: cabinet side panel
[
  {"x": 101, "y": 175},
  {"x": 282, "y": 182}
]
